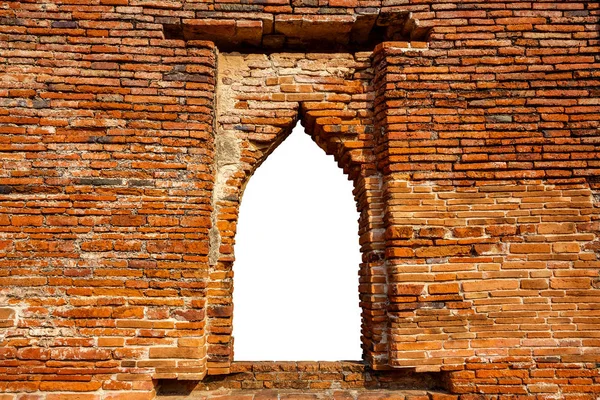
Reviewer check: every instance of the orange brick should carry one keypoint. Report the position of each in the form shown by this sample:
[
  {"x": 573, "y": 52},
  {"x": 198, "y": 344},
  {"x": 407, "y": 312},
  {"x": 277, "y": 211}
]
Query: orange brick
[
  {"x": 442, "y": 251},
  {"x": 72, "y": 396},
  {"x": 534, "y": 284},
  {"x": 566, "y": 247},
  {"x": 128, "y": 220},
  {"x": 70, "y": 386},
  {"x": 27, "y": 220},
  {"x": 529, "y": 248},
  {"x": 570, "y": 283},
  {"x": 490, "y": 285},
  {"x": 129, "y": 395},
  {"x": 556, "y": 228},
  {"x": 443, "y": 288}
]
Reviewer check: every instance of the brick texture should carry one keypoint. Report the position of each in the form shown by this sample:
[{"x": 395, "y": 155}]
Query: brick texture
[{"x": 129, "y": 129}]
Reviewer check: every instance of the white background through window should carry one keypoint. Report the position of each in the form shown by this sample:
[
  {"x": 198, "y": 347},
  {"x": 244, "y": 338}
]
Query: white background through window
[{"x": 297, "y": 255}]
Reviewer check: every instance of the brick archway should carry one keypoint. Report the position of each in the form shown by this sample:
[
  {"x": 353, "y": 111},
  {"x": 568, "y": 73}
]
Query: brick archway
[{"x": 336, "y": 110}]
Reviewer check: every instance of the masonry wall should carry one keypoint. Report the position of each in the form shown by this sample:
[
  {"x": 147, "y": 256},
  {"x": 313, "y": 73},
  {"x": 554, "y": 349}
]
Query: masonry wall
[{"x": 129, "y": 128}]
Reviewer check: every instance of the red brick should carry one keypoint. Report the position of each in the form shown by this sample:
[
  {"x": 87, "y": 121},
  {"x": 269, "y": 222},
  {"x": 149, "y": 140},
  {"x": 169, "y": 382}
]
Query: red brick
[{"x": 27, "y": 220}]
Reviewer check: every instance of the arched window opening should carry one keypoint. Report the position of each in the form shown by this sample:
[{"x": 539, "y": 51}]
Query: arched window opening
[{"x": 297, "y": 254}]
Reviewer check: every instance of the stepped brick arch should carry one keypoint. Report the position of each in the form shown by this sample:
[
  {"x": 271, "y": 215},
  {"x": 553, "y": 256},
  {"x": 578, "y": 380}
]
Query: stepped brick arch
[{"x": 256, "y": 114}]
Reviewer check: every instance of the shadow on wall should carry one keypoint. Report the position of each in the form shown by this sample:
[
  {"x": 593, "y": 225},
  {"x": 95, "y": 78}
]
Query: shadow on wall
[
  {"x": 291, "y": 33},
  {"x": 323, "y": 376}
]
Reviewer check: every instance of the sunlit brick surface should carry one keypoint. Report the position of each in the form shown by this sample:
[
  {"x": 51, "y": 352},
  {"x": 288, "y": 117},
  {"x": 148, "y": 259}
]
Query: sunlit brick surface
[{"x": 469, "y": 130}]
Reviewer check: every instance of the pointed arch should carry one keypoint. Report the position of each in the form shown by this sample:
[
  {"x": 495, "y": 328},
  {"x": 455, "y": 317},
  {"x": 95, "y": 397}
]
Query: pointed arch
[
  {"x": 251, "y": 123},
  {"x": 297, "y": 257}
]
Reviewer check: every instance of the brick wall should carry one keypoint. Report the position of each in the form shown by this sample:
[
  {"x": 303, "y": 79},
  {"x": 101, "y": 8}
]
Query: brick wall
[
  {"x": 469, "y": 129},
  {"x": 305, "y": 375}
]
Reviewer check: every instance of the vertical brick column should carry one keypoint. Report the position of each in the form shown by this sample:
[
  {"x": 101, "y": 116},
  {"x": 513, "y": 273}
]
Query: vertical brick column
[
  {"x": 104, "y": 213},
  {"x": 405, "y": 277},
  {"x": 477, "y": 266}
]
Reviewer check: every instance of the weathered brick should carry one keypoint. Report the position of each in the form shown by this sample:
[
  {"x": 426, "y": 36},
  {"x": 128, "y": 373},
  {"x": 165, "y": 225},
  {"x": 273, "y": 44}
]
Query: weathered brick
[
  {"x": 70, "y": 386},
  {"x": 490, "y": 285},
  {"x": 128, "y": 220},
  {"x": 534, "y": 284},
  {"x": 473, "y": 150},
  {"x": 443, "y": 288},
  {"x": 27, "y": 220},
  {"x": 556, "y": 228}
]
